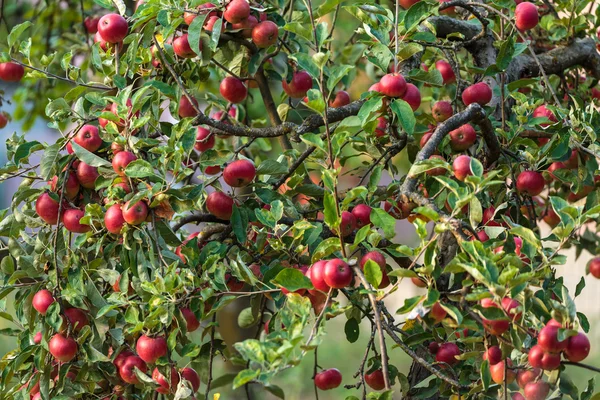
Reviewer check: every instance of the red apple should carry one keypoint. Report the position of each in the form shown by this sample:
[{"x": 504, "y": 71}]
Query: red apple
[
  {"x": 526, "y": 16},
  {"x": 418, "y": 282},
  {"x": 478, "y": 93},
  {"x": 77, "y": 318},
  {"x": 392, "y": 85},
  {"x": 497, "y": 372},
  {"x": 62, "y": 348},
  {"x": 382, "y": 125},
  {"x": 113, "y": 28},
  {"x": 192, "y": 377},
  {"x": 42, "y": 300},
  {"x": 88, "y": 138},
  {"x": 192, "y": 322},
  {"x": 186, "y": 109},
  {"x": 239, "y": 173},
  {"x": 347, "y": 224},
  {"x": 548, "y": 339},
  {"x": 207, "y": 8},
  {"x": 412, "y": 96},
  {"x": 127, "y": 369},
  {"x": 462, "y": 138},
  {"x": 47, "y": 208},
  {"x": 375, "y": 380},
  {"x": 538, "y": 358},
  {"x": 210, "y": 23},
  {"x": 91, "y": 24},
  {"x": 236, "y": 11},
  {"x": 437, "y": 313},
  {"x": 181, "y": 47},
  {"x": 121, "y": 357},
  {"x": 447, "y": 354},
  {"x": 524, "y": 376},
  {"x": 554, "y": 167},
  {"x": 265, "y": 34},
  {"x": 462, "y": 167},
  {"x": 37, "y": 339},
  {"x": 121, "y": 160},
  {"x": 316, "y": 274},
  {"x": 441, "y": 111},
  {"x": 578, "y": 347},
  {"x": 204, "y": 139},
  {"x": 232, "y": 89},
  {"x": 536, "y": 390},
  {"x": 433, "y": 347},
  {"x": 11, "y": 72},
  {"x": 496, "y": 327},
  {"x": 300, "y": 84},
  {"x": 362, "y": 215},
  {"x": 493, "y": 354},
  {"x": 71, "y": 219},
  {"x": 543, "y": 112},
  {"x": 446, "y": 71},
  {"x": 3, "y": 119},
  {"x": 328, "y": 379},
  {"x": 437, "y": 171},
  {"x": 593, "y": 266},
  {"x": 135, "y": 214},
  {"x": 166, "y": 386},
  {"x": 379, "y": 259},
  {"x": 406, "y": 4},
  {"x": 71, "y": 187},
  {"x": 337, "y": 274},
  {"x": 220, "y": 205},
  {"x": 212, "y": 170},
  {"x": 246, "y": 27},
  {"x": 113, "y": 219},
  {"x": 87, "y": 175},
  {"x": 151, "y": 349},
  {"x": 530, "y": 183},
  {"x": 425, "y": 138},
  {"x": 342, "y": 98}
]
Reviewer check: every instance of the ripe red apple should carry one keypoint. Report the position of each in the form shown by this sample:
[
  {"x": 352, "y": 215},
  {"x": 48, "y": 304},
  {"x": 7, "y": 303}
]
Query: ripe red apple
[
  {"x": 538, "y": 358},
  {"x": 3, "y": 119},
  {"x": 392, "y": 85},
  {"x": 166, "y": 386},
  {"x": 127, "y": 369},
  {"x": 220, "y": 205},
  {"x": 433, "y": 347},
  {"x": 548, "y": 339},
  {"x": 87, "y": 175},
  {"x": 462, "y": 138},
  {"x": 113, "y": 219},
  {"x": 362, "y": 215},
  {"x": 497, "y": 372},
  {"x": 151, "y": 349},
  {"x": 593, "y": 266},
  {"x": 232, "y": 89},
  {"x": 406, "y": 4},
  {"x": 246, "y": 27},
  {"x": 375, "y": 380},
  {"x": 42, "y": 300},
  {"x": 526, "y": 16},
  {"x": 265, "y": 34},
  {"x": 239, "y": 173},
  {"x": 91, "y": 24},
  {"x": 62, "y": 348},
  {"x": 482, "y": 236},
  {"x": 382, "y": 125},
  {"x": 437, "y": 313},
  {"x": 71, "y": 187},
  {"x": 374, "y": 87},
  {"x": 418, "y": 282},
  {"x": 478, "y": 93},
  {"x": 207, "y": 8},
  {"x": 412, "y": 96},
  {"x": 398, "y": 209},
  {"x": 212, "y": 170},
  {"x": 204, "y": 139},
  {"x": 181, "y": 47},
  {"x": 113, "y": 28},
  {"x": 462, "y": 167},
  {"x": 578, "y": 347},
  {"x": 347, "y": 224},
  {"x": 446, "y": 71},
  {"x": 121, "y": 160},
  {"x": 496, "y": 327},
  {"x": 337, "y": 274},
  {"x": 425, "y": 138},
  {"x": 186, "y": 109},
  {"x": 77, "y": 318},
  {"x": 554, "y": 167},
  {"x": 236, "y": 11},
  {"x": 71, "y": 219},
  {"x": 328, "y": 379},
  {"x": 37, "y": 339},
  {"x": 135, "y": 214},
  {"x": 210, "y": 23},
  {"x": 192, "y": 377},
  {"x": 316, "y": 274},
  {"x": 192, "y": 322},
  {"x": 300, "y": 84},
  {"x": 511, "y": 307},
  {"x": 541, "y": 112},
  {"x": 550, "y": 217},
  {"x": 378, "y": 258},
  {"x": 88, "y": 138},
  {"x": 493, "y": 354},
  {"x": 531, "y": 183},
  {"x": 437, "y": 171},
  {"x": 47, "y": 208},
  {"x": 121, "y": 357},
  {"x": 342, "y": 98},
  {"x": 536, "y": 390},
  {"x": 524, "y": 376},
  {"x": 441, "y": 111},
  {"x": 11, "y": 72},
  {"x": 449, "y": 10},
  {"x": 447, "y": 354}
]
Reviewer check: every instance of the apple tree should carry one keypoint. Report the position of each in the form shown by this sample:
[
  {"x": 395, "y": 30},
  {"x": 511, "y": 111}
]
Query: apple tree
[{"x": 242, "y": 122}]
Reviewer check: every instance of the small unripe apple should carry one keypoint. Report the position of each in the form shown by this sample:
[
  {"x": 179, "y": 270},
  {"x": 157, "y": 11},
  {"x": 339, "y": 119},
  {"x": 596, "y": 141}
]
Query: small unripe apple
[
  {"x": 113, "y": 219},
  {"x": 442, "y": 110},
  {"x": 113, "y": 28},
  {"x": 392, "y": 85},
  {"x": 204, "y": 139},
  {"x": 462, "y": 138},
  {"x": 300, "y": 84},
  {"x": 447, "y": 354},
  {"x": 42, "y": 300},
  {"x": 62, "y": 348},
  {"x": 526, "y": 16},
  {"x": 71, "y": 222},
  {"x": 47, "y": 208},
  {"x": 446, "y": 71},
  {"x": 236, "y": 11},
  {"x": 362, "y": 214},
  {"x": 462, "y": 167},
  {"x": 337, "y": 274},
  {"x": 594, "y": 267},
  {"x": 328, "y": 379},
  {"x": 127, "y": 369},
  {"x": 135, "y": 214},
  {"x": 316, "y": 274},
  {"x": 121, "y": 160},
  {"x": 220, "y": 205},
  {"x": 186, "y": 109},
  {"x": 181, "y": 47},
  {"x": 531, "y": 183},
  {"x": 375, "y": 380},
  {"x": 478, "y": 93},
  {"x": 493, "y": 354},
  {"x": 578, "y": 347},
  {"x": 536, "y": 390},
  {"x": 239, "y": 173},
  {"x": 232, "y": 89},
  {"x": 11, "y": 72},
  {"x": 151, "y": 349},
  {"x": 342, "y": 98},
  {"x": 265, "y": 34}
]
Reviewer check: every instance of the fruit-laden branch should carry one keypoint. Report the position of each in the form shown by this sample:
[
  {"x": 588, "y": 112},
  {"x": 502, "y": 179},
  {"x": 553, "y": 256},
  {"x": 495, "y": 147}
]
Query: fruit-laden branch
[{"x": 473, "y": 113}]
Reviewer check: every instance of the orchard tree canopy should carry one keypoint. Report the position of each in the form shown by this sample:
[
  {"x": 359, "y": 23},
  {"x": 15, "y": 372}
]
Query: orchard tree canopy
[{"x": 291, "y": 136}]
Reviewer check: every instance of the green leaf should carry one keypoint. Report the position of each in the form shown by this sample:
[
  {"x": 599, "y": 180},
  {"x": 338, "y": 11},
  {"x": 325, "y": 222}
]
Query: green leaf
[
  {"x": 24, "y": 150},
  {"x": 567, "y": 386},
  {"x": 326, "y": 248},
  {"x": 330, "y": 212},
  {"x": 306, "y": 62},
  {"x": 415, "y": 14},
  {"x": 373, "y": 273},
  {"x": 239, "y": 223},
  {"x": 194, "y": 31},
  {"x": 271, "y": 167},
  {"x": 215, "y": 35},
  {"x": 405, "y": 115},
  {"x": 88, "y": 157},
  {"x": 16, "y": 32},
  {"x": 49, "y": 161},
  {"x": 336, "y": 73},
  {"x": 292, "y": 279},
  {"x": 352, "y": 330},
  {"x": 244, "y": 377},
  {"x": 165, "y": 231},
  {"x": 140, "y": 169},
  {"x": 409, "y": 304},
  {"x": 486, "y": 375},
  {"x": 385, "y": 221}
]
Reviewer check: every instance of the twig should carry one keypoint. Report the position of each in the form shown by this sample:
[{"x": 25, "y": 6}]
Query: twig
[{"x": 61, "y": 78}]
